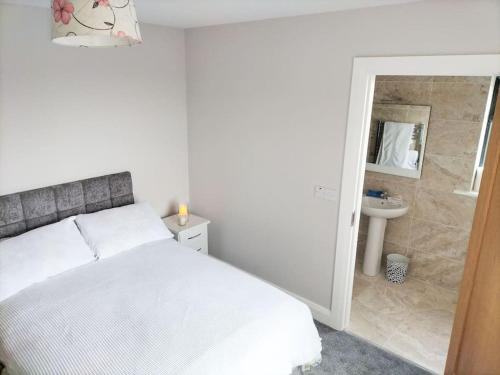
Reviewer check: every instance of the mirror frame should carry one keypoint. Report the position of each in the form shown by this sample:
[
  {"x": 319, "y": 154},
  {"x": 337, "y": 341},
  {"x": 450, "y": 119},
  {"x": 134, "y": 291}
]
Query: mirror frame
[{"x": 372, "y": 167}]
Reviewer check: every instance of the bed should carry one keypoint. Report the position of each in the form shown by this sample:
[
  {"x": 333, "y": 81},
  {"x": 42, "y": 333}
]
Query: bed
[{"x": 158, "y": 308}]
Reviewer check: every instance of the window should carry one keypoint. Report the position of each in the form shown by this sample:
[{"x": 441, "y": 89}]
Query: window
[{"x": 483, "y": 146}]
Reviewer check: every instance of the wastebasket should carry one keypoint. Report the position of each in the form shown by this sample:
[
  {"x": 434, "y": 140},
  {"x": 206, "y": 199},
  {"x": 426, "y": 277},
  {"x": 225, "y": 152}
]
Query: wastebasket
[{"x": 397, "y": 268}]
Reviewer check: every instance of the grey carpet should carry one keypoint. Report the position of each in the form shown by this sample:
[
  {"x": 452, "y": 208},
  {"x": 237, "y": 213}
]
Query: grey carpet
[{"x": 344, "y": 354}]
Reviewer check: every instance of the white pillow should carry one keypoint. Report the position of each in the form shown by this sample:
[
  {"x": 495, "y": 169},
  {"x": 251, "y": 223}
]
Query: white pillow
[
  {"x": 38, "y": 254},
  {"x": 111, "y": 231}
]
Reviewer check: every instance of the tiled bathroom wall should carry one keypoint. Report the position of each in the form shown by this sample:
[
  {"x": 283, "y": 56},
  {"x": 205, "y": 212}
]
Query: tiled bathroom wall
[{"x": 435, "y": 232}]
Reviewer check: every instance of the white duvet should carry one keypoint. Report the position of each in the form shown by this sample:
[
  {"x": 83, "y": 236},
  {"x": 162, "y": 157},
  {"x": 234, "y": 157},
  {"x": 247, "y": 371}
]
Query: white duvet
[{"x": 157, "y": 309}]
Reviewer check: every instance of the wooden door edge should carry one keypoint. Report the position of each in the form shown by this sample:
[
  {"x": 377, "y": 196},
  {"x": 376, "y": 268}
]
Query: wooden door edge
[{"x": 474, "y": 249}]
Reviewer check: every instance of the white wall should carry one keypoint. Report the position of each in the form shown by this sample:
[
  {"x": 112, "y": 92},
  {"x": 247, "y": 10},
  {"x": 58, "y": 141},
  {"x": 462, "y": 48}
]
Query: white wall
[
  {"x": 267, "y": 110},
  {"x": 71, "y": 113},
  {"x": 267, "y": 115}
]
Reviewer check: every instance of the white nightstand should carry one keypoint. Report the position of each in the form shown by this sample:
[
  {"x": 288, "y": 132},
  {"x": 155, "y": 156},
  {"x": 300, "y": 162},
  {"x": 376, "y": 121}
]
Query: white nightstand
[{"x": 194, "y": 234}]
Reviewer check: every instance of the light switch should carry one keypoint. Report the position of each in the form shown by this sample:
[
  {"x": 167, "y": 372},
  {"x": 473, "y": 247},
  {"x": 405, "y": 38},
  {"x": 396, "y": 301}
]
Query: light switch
[{"x": 323, "y": 192}]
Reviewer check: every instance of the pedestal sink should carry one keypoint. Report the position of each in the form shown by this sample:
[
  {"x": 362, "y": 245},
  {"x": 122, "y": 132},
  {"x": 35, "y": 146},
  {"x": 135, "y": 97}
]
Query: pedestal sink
[{"x": 379, "y": 210}]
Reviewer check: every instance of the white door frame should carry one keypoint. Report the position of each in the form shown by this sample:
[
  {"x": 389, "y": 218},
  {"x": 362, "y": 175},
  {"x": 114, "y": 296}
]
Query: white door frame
[{"x": 365, "y": 69}]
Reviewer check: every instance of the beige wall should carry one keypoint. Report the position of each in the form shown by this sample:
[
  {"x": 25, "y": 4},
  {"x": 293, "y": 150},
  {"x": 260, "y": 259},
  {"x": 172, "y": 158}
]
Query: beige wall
[
  {"x": 267, "y": 116},
  {"x": 435, "y": 232},
  {"x": 70, "y": 113}
]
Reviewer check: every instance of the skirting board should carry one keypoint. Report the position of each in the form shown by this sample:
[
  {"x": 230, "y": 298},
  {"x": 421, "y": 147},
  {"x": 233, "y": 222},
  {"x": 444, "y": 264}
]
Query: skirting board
[{"x": 320, "y": 313}]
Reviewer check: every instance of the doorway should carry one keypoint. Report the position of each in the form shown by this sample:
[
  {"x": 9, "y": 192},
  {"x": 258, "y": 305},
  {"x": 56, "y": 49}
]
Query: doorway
[
  {"x": 363, "y": 86},
  {"x": 426, "y": 134}
]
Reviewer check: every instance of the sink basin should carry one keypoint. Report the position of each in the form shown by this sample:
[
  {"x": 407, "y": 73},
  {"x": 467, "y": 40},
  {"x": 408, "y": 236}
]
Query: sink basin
[
  {"x": 379, "y": 210},
  {"x": 383, "y": 208}
]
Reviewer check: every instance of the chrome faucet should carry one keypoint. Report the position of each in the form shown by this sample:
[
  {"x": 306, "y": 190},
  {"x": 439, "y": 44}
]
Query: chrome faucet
[{"x": 384, "y": 195}]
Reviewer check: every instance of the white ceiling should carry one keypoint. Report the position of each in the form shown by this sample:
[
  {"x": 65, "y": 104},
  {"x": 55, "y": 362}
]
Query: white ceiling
[{"x": 196, "y": 13}]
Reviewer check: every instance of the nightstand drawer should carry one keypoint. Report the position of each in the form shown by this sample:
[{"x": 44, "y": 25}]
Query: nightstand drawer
[
  {"x": 198, "y": 244},
  {"x": 192, "y": 233},
  {"x": 195, "y": 238}
]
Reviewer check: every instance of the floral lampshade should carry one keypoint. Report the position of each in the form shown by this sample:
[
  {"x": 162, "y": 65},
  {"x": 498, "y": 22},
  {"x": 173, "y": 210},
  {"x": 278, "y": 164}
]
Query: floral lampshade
[{"x": 95, "y": 23}]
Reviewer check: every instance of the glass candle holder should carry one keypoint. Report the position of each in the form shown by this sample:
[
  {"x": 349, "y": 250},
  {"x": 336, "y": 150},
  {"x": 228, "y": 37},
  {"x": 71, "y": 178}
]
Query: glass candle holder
[
  {"x": 183, "y": 215},
  {"x": 182, "y": 219}
]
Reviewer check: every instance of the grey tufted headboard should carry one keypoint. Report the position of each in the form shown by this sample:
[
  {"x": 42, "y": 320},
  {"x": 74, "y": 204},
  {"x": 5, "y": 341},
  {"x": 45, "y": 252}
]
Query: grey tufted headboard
[{"x": 31, "y": 209}]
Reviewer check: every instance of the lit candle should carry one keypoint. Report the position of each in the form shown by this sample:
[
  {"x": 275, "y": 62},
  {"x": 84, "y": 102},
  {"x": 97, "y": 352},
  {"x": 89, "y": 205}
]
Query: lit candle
[{"x": 183, "y": 215}]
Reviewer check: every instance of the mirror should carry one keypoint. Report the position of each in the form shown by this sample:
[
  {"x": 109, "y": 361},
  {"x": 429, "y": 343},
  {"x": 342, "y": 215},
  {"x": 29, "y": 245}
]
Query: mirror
[{"x": 397, "y": 139}]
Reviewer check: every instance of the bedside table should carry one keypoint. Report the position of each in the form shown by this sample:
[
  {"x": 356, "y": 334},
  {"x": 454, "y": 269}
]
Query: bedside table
[{"x": 194, "y": 234}]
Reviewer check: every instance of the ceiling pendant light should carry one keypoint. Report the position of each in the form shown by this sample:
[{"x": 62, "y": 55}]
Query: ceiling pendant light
[{"x": 95, "y": 23}]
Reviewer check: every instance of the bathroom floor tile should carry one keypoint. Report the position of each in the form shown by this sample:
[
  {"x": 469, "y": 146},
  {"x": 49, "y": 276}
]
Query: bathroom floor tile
[{"x": 413, "y": 320}]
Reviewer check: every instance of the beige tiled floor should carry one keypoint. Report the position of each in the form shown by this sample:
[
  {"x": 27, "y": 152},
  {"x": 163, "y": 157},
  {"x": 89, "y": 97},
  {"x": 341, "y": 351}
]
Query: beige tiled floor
[{"x": 413, "y": 320}]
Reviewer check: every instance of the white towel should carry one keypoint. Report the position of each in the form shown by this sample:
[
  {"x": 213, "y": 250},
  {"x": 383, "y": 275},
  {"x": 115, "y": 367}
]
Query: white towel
[
  {"x": 412, "y": 160},
  {"x": 395, "y": 145}
]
